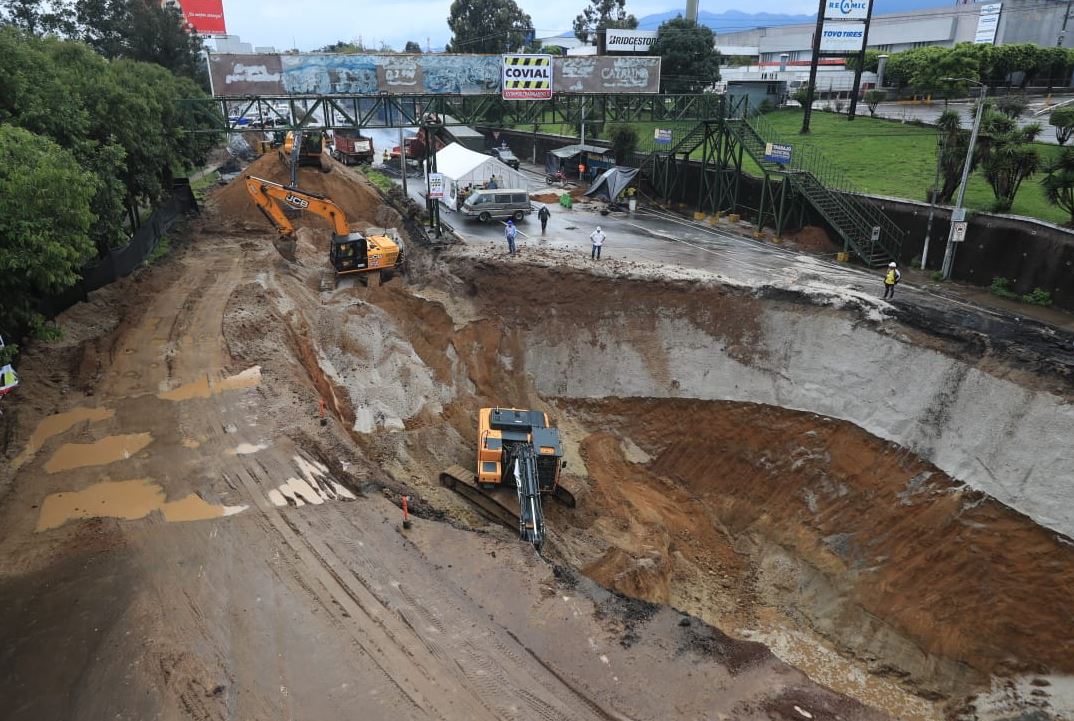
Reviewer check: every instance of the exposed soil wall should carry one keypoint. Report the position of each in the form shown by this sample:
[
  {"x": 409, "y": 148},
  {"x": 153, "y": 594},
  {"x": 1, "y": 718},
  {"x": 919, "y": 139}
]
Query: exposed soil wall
[{"x": 692, "y": 341}]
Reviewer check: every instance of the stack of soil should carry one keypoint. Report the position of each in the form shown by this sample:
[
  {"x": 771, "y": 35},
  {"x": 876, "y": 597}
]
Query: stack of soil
[{"x": 360, "y": 201}]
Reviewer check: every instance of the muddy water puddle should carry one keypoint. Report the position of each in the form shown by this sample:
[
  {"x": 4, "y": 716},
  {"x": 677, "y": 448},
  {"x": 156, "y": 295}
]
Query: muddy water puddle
[
  {"x": 99, "y": 453},
  {"x": 205, "y": 388},
  {"x": 56, "y": 424},
  {"x": 127, "y": 500}
]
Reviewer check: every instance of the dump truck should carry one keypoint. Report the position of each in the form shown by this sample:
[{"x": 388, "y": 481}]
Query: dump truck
[{"x": 351, "y": 148}]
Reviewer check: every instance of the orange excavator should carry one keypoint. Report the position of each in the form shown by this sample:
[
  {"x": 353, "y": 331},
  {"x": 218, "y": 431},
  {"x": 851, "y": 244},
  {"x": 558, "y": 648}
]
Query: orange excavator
[
  {"x": 519, "y": 458},
  {"x": 374, "y": 253}
]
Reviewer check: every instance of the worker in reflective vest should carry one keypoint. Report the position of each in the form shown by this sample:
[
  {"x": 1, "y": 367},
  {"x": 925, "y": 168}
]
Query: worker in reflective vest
[{"x": 891, "y": 279}]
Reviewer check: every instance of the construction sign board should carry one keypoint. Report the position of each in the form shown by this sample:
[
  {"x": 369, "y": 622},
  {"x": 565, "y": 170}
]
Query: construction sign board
[
  {"x": 436, "y": 185},
  {"x": 527, "y": 77}
]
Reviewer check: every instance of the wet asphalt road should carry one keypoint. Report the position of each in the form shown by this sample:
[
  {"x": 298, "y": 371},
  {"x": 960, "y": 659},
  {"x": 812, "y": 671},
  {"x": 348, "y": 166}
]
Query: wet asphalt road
[{"x": 652, "y": 235}]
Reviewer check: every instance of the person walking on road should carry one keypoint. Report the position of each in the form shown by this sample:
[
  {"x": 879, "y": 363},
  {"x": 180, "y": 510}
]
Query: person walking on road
[
  {"x": 510, "y": 232},
  {"x": 543, "y": 215},
  {"x": 597, "y": 238},
  {"x": 891, "y": 279}
]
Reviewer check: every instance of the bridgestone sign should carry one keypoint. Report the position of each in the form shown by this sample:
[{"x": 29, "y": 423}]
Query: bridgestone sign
[
  {"x": 629, "y": 41},
  {"x": 527, "y": 77}
]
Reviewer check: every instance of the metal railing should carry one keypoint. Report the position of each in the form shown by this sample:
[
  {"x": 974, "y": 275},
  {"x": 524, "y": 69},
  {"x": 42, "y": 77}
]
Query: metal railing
[{"x": 807, "y": 159}]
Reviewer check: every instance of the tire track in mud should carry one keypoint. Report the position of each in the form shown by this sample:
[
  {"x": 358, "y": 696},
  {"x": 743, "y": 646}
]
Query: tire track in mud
[{"x": 498, "y": 672}]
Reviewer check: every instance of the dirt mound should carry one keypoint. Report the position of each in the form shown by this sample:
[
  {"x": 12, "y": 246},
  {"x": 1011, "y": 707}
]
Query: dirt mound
[
  {"x": 545, "y": 197},
  {"x": 878, "y": 540},
  {"x": 359, "y": 199},
  {"x": 812, "y": 239}
]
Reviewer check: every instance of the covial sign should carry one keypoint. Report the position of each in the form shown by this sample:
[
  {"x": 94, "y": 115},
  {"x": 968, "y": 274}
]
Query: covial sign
[
  {"x": 527, "y": 77},
  {"x": 846, "y": 9}
]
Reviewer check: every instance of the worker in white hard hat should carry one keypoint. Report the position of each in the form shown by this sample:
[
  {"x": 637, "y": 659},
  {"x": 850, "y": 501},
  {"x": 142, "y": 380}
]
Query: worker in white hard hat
[
  {"x": 891, "y": 279},
  {"x": 597, "y": 239}
]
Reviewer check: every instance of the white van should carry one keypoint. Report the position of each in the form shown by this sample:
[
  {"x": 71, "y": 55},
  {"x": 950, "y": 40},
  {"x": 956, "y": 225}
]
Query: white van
[{"x": 498, "y": 203}]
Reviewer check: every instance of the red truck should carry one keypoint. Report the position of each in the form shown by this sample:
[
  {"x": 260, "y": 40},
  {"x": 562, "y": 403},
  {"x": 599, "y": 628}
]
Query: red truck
[{"x": 350, "y": 148}]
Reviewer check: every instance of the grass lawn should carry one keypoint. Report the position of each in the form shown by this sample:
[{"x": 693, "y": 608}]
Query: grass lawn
[
  {"x": 884, "y": 157},
  {"x": 889, "y": 158}
]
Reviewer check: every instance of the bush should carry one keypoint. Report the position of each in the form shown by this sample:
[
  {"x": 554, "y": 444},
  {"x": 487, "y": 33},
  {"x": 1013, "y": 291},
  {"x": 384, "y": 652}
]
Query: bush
[
  {"x": 937, "y": 275},
  {"x": 874, "y": 98},
  {"x": 801, "y": 95},
  {"x": 1062, "y": 119},
  {"x": 1038, "y": 297},
  {"x": 766, "y": 106},
  {"x": 1002, "y": 287},
  {"x": 1012, "y": 105}
]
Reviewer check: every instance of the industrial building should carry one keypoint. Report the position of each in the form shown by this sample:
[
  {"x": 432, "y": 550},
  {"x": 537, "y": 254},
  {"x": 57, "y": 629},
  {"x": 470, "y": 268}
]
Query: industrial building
[{"x": 1019, "y": 21}]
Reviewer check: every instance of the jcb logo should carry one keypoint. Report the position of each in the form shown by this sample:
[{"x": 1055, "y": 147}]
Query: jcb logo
[{"x": 297, "y": 201}]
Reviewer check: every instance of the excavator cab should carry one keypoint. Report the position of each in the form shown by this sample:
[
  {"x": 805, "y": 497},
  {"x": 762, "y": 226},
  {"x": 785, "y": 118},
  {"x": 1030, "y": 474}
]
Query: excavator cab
[{"x": 519, "y": 457}]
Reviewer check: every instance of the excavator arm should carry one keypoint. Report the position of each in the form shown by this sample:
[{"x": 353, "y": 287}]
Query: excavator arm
[{"x": 266, "y": 193}]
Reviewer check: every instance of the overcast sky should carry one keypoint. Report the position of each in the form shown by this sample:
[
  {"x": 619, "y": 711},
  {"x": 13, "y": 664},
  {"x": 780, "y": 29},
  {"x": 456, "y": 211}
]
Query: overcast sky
[{"x": 310, "y": 24}]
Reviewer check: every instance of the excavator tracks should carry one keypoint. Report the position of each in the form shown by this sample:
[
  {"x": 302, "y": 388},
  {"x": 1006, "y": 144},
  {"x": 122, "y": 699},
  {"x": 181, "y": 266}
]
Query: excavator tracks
[{"x": 464, "y": 482}]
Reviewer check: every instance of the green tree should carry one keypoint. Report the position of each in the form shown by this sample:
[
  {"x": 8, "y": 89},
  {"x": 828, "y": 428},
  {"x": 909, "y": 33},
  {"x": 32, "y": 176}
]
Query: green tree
[
  {"x": 1012, "y": 105},
  {"x": 487, "y": 26},
  {"x": 872, "y": 61},
  {"x": 1007, "y": 156},
  {"x": 412, "y": 47},
  {"x": 873, "y": 98},
  {"x": 37, "y": 17},
  {"x": 801, "y": 95},
  {"x": 553, "y": 50},
  {"x": 952, "y": 145},
  {"x": 601, "y": 15},
  {"x": 45, "y": 219},
  {"x": 142, "y": 30},
  {"x": 1062, "y": 119},
  {"x": 689, "y": 62},
  {"x": 1058, "y": 181}
]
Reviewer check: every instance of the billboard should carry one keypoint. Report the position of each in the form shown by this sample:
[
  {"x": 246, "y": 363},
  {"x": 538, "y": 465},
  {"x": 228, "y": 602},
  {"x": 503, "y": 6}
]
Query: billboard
[
  {"x": 629, "y": 41},
  {"x": 527, "y": 77},
  {"x": 206, "y": 17},
  {"x": 846, "y": 9},
  {"x": 987, "y": 24},
  {"x": 593, "y": 74},
  {"x": 331, "y": 74},
  {"x": 845, "y": 37}
]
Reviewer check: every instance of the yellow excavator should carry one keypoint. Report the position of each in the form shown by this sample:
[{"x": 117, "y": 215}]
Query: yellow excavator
[
  {"x": 374, "y": 253},
  {"x": 304, "y": 149},
  {"x": 519, "y": 458}
]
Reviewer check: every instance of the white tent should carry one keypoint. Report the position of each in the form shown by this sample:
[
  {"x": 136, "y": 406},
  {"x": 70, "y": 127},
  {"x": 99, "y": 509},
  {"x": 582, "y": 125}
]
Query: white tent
[{"x": 461, "y": 167}]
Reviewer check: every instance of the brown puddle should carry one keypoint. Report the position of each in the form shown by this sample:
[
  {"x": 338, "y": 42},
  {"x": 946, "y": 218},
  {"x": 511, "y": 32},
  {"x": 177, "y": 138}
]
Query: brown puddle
[
  {"x": 99, "y": 453},
  {"x": 55, "y": 425},
  {"x": 203, "y": 388},
  {"x": 128, "y": 500}
]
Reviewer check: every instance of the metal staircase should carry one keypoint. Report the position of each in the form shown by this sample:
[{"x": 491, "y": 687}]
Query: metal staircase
[{"x": 874, "y": 237}]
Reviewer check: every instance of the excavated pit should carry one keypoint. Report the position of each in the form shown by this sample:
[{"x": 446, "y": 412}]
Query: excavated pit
[{"x": 883, "y": 509}]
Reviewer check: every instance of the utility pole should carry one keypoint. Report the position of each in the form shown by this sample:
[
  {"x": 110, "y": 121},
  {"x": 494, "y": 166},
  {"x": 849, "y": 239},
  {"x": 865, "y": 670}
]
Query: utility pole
[
  {"x": 813, "y": 68},
  {"x": 856, "y": 90},
  {"x": 402, "y": 160},
  {"x": 1063, "y": 30},
  {"x": 691, "y": 10},
  {"x": 941, "y": 145},
  {"x": 949, "y": 253}
]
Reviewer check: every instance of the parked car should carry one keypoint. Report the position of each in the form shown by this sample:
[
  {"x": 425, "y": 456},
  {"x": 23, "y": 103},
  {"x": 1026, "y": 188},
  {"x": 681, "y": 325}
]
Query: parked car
[
  {"x": 505, "y": 156},
  {"x": 497, "y": 203}
]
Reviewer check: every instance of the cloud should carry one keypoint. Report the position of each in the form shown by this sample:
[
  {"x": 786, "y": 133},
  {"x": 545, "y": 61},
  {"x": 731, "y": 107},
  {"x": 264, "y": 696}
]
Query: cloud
[{"x": 311, "y": 25}]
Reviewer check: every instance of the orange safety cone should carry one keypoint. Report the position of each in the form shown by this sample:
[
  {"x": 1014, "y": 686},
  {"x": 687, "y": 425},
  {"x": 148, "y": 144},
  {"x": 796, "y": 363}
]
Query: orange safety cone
[{"x": 406, "y": 512}]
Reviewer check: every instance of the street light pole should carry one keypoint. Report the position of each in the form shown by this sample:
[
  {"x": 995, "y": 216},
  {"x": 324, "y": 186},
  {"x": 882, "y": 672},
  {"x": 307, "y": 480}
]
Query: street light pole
[{"x": 949, "y": 253}]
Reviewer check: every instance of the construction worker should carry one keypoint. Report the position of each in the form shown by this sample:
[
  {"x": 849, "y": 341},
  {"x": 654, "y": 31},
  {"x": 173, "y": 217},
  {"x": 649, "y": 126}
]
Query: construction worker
[
  {"x": 510, "y": 232},
  {"x": 891, "y": 279},
  {"x": 492, "y": 185},
  {"x": 543, "y": 215},
  {"x": 597, "y": 239}
]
